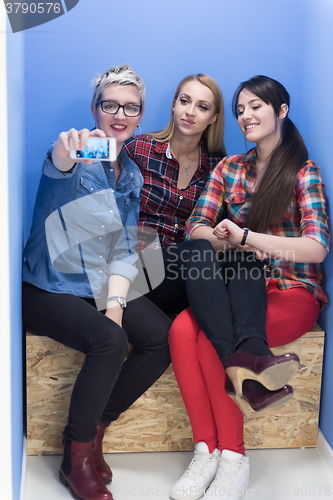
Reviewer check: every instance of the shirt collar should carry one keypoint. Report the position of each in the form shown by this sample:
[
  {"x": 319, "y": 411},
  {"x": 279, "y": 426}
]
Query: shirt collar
[
  {"x": 168, "y": 152},
  {"x": 161, "y": 147},
  {"x": 164, "y": 147},
  {"x": 251, "y": 155},
  {"x": 126, "y": 166}
]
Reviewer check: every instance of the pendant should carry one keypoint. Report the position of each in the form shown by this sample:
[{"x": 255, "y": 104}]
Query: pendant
[{"x": 186, "y": 173}]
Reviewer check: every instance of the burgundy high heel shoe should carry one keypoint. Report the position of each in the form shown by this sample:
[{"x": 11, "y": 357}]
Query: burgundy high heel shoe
[
  {"x": 248, "y": 400},
  {"x": 271, "y": 371}
]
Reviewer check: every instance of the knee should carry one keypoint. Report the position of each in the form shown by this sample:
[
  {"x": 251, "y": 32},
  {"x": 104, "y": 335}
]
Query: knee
[
  {"x": 111, "y": 339},
  {"x": 184, "y": 328},
  {"x": 162, "y": 333},
  {"x": 202, "y": 245}
]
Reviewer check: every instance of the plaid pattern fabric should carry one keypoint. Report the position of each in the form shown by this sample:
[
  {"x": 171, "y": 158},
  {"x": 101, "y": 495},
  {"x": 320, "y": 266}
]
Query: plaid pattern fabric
[
  {"x": 231, "y": 185},
  {"x": 164, "y": 207}
]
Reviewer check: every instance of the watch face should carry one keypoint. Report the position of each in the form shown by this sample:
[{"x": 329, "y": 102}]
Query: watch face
[{"x": 122, "y": 302}]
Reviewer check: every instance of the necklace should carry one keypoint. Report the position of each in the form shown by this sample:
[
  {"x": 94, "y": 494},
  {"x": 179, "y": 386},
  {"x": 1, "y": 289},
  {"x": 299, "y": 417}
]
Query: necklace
[{"x": 186, "y": 168}]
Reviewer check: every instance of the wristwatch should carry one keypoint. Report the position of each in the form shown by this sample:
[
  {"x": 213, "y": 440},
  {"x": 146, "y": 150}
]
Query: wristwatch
[{"x": 121, "y": 300}]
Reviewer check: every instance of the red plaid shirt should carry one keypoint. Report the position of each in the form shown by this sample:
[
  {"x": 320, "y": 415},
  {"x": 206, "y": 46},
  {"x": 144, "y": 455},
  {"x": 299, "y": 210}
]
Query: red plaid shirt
[
  {"x": 231, "y": 185},
  {"x": 164, "y": 207}
]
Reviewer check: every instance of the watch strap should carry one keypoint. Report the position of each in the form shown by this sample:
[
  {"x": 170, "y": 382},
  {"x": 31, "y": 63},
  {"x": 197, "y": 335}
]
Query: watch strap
[
  {"x": 246, "y": 232},
  {"x": 120, "y": 300}
]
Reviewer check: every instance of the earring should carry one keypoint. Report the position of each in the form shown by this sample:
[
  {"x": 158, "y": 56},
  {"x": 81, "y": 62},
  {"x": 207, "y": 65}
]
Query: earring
[{"x": 139, "y": 127}]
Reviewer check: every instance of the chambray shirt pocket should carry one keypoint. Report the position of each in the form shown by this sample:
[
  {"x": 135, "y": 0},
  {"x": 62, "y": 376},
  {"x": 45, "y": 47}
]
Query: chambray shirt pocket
[{"x": 89, "y": 186}]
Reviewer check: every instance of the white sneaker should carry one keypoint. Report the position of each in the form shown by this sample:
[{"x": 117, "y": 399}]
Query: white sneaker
[
  {"x": 199, "y": 474},
  {"x": 232, "y": 477}
]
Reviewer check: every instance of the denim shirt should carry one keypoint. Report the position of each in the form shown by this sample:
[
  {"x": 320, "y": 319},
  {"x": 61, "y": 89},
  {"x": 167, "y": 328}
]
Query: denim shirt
[{"x": 84, "y": 228}]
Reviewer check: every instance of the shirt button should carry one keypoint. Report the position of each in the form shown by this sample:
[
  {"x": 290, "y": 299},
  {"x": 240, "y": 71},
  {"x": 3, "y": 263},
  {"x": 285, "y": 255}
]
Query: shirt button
[
  {"x": 172, "y": 238},
  {"x": 102, "y": 225},
  {"x": 110, "y": 211},
  {"x": 176, "y": 225},
  {"x": 91, "y": 189},
  {"x": 101, "y": 256},
  {"x": 181, "y": 197},
  {"x": 112, "y": 190},
  {"x": 100, "y": 272},
  {"x": 111, "y": 169},
  {"x": 100, "y": 238}
]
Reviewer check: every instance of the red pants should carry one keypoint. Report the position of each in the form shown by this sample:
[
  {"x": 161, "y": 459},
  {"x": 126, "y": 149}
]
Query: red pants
[{"x": 214, "y": 417}]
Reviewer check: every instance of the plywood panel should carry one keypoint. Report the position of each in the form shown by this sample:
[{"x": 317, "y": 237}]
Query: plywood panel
[{"x": 158, "y": 420}]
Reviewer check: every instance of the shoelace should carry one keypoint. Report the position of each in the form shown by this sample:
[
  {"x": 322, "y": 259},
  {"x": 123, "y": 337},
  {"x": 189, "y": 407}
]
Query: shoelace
[
  {"x": 226, "y": 473},
  {"x": 199, "y": 461}
]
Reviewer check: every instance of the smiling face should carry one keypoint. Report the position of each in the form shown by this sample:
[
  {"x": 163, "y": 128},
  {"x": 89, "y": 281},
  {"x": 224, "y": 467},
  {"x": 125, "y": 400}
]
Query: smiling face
[
  {"x": 118, "y": 125},
  {"x": 258, "y": 120},
  {"x": 194, "y": 109}
]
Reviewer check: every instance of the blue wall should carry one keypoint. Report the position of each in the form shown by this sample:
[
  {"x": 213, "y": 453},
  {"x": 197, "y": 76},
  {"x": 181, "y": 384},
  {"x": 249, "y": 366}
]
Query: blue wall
[
  {"x": 17, "y": 200},
  {"x": 166, "y": 40},
  {"x": 315, "y": 119}
]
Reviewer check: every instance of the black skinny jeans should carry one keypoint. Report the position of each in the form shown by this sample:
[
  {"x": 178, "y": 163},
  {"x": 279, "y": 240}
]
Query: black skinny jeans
[
  {"x": 227, "y": 293},
  {"x": 106, "y": 385}
]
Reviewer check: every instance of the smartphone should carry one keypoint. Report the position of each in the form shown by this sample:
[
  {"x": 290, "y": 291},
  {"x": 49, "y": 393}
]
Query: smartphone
[{"x": 97, "y": 148}]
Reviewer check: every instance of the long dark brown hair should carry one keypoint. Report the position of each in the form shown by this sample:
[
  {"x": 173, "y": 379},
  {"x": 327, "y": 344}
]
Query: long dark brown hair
[{"x": 275, "y": 191}]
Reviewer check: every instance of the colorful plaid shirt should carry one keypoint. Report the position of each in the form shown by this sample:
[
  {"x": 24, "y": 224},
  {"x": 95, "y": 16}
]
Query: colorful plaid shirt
[
  {"x": 164, "y": 207},
  {"x": 231, "y": 186}
]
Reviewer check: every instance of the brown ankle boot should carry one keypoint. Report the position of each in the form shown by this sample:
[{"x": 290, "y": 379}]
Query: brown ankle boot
[
  {"x": 102, "y": 468},
  {"x": 78, "y": 473}
]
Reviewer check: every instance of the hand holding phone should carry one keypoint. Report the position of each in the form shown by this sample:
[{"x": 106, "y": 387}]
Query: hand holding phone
[
  {"x": 96, "y": 148},
  {"x": 61, "y": 156}
]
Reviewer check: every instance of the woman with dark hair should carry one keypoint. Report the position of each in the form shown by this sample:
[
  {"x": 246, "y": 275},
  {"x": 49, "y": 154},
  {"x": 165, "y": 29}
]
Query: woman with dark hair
[
  {"x": 277, "y": 193},
  {"x": 175, "y": 163},
  {"x": 194, "y": 274}
]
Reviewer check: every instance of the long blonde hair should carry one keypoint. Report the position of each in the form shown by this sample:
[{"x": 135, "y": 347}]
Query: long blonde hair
[{"x": 212, "y": 137}]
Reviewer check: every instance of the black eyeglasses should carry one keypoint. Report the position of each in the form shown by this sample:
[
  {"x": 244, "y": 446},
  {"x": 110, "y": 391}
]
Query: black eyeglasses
[{"x": 112, "y": 107}]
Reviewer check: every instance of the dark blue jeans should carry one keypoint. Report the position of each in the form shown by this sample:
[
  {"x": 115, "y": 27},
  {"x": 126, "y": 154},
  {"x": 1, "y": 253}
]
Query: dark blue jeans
[
  {"x": 106, "y": 385},
  {"x": 227, "y": 292}
]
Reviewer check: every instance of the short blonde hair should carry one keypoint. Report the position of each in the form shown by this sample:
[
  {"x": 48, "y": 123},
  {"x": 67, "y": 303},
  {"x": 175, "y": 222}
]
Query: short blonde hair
[
  {"x": 213, "y": 135},
  {"x": 123, "y": 75}
]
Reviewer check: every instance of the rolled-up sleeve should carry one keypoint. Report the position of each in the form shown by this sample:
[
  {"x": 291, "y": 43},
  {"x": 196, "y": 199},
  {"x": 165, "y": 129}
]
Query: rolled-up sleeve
[
  {"x": 312, "y": 204},
  {"x": 123, "y": 256},
  {"x": 210, "y": 204},
  {"x": 50, "y": 170}
]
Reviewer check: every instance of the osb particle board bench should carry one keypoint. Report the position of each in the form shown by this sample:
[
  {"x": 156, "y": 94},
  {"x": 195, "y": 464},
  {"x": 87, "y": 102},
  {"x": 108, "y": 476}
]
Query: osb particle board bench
[{"x": 158, "y": 421}]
